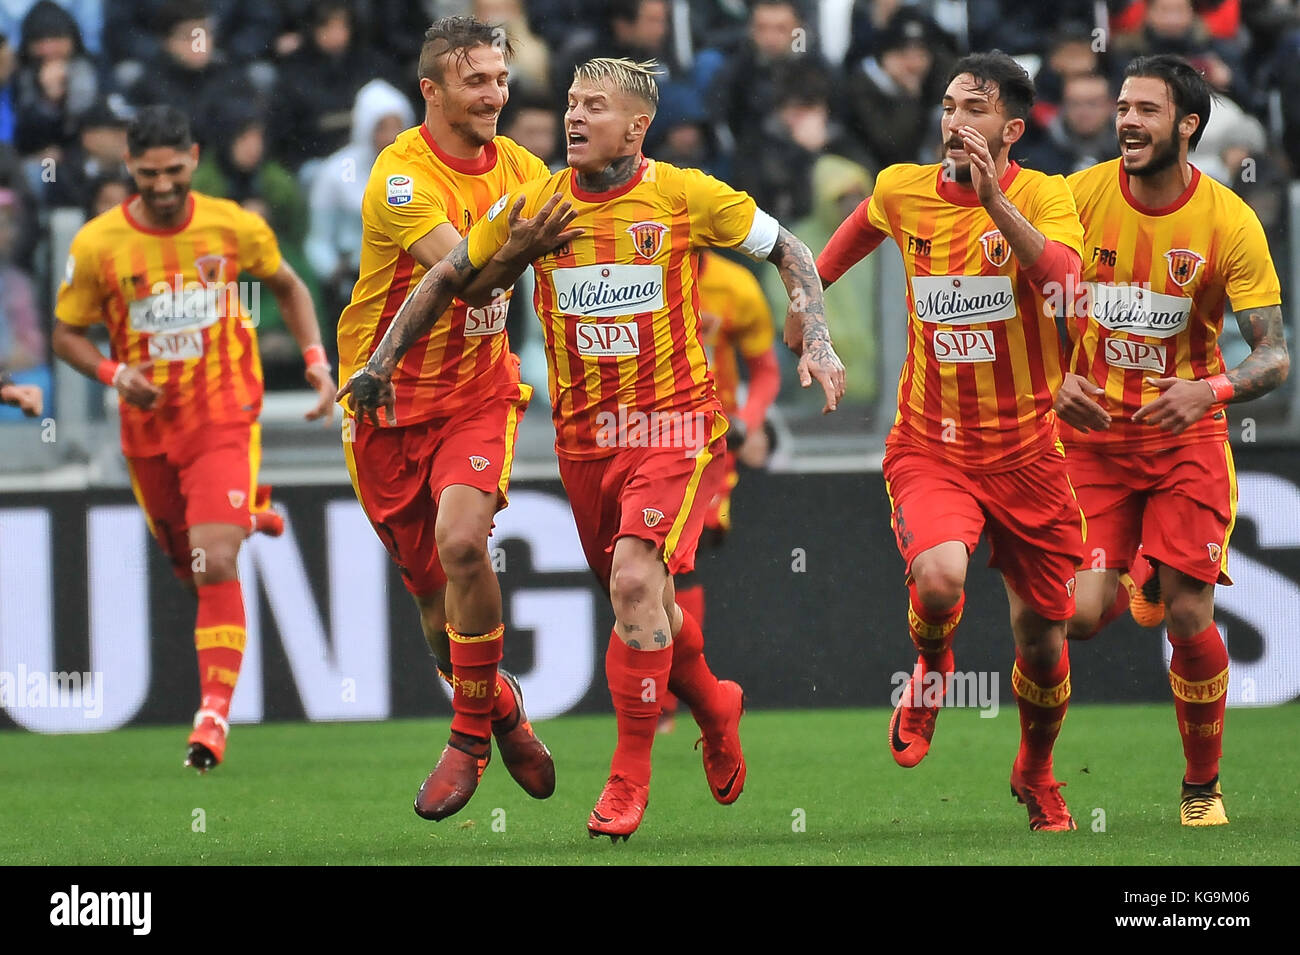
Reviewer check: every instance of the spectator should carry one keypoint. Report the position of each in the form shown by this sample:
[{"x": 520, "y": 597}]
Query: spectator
[
  {"x": 8, "y": 114},
  {"x": 892, "y": 95},
  {"x": 99, "y": 151},
  {"x": 88, "y": 14},
  {"x": 744, "y": 94},
  {"x": 689, "y": 140},
  {"x": 189, "y": 72},
  {"x": 530, "y": 68},
  {"x": 1082, "y": 134},
  {"x": 1070, "y": 53},
  {"x": 1171, "y": 26},
  {"x": 311, "y": 113},
  {"x": 237, "y": 168},
  {"x": 56, "y": 81},
  {"x": 1019, "y": 27},
  {"x": 23, "y": 349},
  {"x": 774, "y": 161},
  {"x": 106, "y": 191},
  {"x": 333, "y": 246},
  {"x": 635, "y": 29},
  {"x": 530, "y": 121}
]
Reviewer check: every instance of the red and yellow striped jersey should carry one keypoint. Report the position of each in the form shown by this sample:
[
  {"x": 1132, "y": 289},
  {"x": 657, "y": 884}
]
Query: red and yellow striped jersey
[
  {"x": 413, "y": 188},
  {"x": 737, "y": 324},
  {"x": 172, "y": 296},
  {"x": 1155, "y": 284},
  {"x": 619, "y": 306},
  {"x": 984, "y": 358}
]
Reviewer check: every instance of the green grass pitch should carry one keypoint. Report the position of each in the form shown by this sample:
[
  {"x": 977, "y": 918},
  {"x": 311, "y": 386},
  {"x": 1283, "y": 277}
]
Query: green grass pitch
[{"x": 822, "y": 789}]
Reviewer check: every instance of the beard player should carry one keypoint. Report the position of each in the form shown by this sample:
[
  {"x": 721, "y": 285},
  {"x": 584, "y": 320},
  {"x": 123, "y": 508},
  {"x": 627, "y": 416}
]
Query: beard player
[
  {"x": 974, "y": 447},
  {"x": 622, "y": 334},
  {"x": 1145, "y": 425},
  {"x": 432, "y": 471}
]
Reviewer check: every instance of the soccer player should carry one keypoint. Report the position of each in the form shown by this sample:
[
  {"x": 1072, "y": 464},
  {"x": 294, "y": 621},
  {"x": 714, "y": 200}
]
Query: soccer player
[
  {"x": 431, "y": 472},
  {"x": 735, "y": 326},
  {"x": 639, "y": 429},
  {"x": 160, "y": 272},
  {"x": 1145, "y": 423},
  {"x": 974, "y": 447}
]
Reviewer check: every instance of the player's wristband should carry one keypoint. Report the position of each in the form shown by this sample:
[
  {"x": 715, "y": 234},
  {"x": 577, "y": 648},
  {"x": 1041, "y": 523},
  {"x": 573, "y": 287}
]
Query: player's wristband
[
  {"x": 1221, "y": 386},
  {"x": 109, "y": 371},
  {"x": 315, "y": 355}
]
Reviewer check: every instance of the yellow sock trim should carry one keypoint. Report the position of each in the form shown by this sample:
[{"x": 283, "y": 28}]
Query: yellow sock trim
[
  {"x": 498, "y": 631},
  {"x": 1044, "y": 696},
  {"x": 208, "y": 638},
  {"x": 1199, "y": 691}
]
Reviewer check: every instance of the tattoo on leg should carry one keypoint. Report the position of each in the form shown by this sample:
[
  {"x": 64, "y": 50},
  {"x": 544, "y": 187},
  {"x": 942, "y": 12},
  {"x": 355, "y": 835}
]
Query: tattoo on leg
[
  {"x": 634, "y": 645},
  {"x": 661, "y": 638}
]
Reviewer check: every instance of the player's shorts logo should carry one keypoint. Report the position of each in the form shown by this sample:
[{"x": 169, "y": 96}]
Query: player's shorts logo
[
  {"x": 996, "y": 248},
  {"x": 648, "y": 237},
  {"x": 652, "y": 516},
  {"x": 478, "y": 462},
  {"x": 211, "y": 269},
  {"x": 1215, "y": 552},
  {"x": 236, "y": 498},
  {"x": 1183, "y": 265},
  {"x": 400, "y": 190},
  {"x": 1069, "y": 587}
]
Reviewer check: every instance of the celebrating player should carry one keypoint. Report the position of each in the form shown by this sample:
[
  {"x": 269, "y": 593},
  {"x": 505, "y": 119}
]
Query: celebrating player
[
  {"x": 639, "y": 429},
  {"x": 974, "y": 446},
  {"x": 735, "y": 325},
  {"x": 1145, "y": 425},
  {"x": 432, "y": 470},
  {"x": 160, "y": 272}
]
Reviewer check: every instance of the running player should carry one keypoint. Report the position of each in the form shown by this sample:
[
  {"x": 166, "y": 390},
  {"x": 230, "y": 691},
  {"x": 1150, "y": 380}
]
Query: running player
[
  {"x": 639, "y": 430},
  {"x": 1145, "y": 425},
  {"x": 431, "y": 473},
  {"x": 974, "y": 447},
  {"x": 160, "y": 272},
  {"x": 735, "y": 326}
]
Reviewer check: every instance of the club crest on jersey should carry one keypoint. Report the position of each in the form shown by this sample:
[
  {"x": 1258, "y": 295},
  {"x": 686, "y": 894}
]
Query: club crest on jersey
[
  {"x": 648, "y": 237},
  {"x": 478, "y": 462},
  {"x": 996, "y": 248},
  {"x": 236, "y": 498},
  {"x": 1183, "y": 265},
  {"x": 652, "y": 516},
  {"x": 400, "y": 190},
  {"x": 211, "y": 269},
  {"x": 1215, "y": 552}
]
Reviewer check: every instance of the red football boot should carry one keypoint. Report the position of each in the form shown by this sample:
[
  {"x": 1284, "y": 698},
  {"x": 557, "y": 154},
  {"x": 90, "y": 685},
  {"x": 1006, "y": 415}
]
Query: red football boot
[
  {"x": 724, "y": 760},
  {"x": 619, "y": 809},
  {"x": 526, "y": 756},
  {"x": 449, "y": 787},
  {"x": 911, "y": 727},
  {"x": 1047, "y": 810},
  {"x": 207, "y": 744}
]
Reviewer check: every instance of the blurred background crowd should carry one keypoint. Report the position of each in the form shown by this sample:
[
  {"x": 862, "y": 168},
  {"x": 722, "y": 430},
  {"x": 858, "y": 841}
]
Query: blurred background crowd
[{"x": 800, "y": 103}]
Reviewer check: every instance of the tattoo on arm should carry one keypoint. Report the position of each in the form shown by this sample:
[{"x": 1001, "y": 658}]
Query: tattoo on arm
[
  {"x": 422, "y": 308},
  {"x": 1267, "y": 364},
  {"x": 798, "y": 271}
]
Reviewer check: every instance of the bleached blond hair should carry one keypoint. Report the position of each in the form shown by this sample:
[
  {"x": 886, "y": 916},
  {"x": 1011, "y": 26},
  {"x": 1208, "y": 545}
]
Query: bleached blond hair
[{"x": 629, "y": 76}]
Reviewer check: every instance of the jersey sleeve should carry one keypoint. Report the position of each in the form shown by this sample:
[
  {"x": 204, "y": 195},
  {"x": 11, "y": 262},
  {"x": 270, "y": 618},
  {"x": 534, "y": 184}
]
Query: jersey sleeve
[
  {"x": 1251, "y": 277},
  {"x": 80, "y": 298},
  {"x": 726, "y": 218},
  {"x": 403, "y": 206},
  {"x": 1055, "y": 215},
  {"x": 489, "y": 234},
  {"x": 259, "y": 252}
]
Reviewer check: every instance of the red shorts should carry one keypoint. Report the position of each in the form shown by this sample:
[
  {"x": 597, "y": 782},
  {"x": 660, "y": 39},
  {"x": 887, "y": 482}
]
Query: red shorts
[
  {"x": 1034, "y": 526},
  {"x": 660, "y": 495},
  {"x": 209, "y": 478},
  {"x": 1178, "y": 503},
  {"x": 717, "y": 518},
  {"x": 399, "y": 475}
]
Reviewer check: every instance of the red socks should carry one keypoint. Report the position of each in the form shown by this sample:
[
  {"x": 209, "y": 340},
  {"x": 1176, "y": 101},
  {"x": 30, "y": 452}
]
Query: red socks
[
  {"x": 932, "y": 633},
  {"x": 691, "y": 678},
  {"x": 691, "y": 600},
  {"x": 1198, "y": 675},
  {"x": 1042, "y": 696},
  {"x": 474, "y": 680},
  {"x": 636, "y": 678},
  {"x": 219, "y": 638}
]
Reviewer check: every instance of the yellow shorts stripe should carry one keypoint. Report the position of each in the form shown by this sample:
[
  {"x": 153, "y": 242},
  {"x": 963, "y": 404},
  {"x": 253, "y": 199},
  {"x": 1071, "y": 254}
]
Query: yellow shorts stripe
[{"x": 702, "y": 460}]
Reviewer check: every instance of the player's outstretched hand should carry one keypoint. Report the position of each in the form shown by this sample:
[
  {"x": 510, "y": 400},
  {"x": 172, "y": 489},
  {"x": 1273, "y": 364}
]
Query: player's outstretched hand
[
  {"x": 370, "y": 393},
  {"x": 1077, "y": 405},
  {"x": 532, "y": 238},
  {"x": 136, "y": 387},
  {"x": 29, "y": 399},
  {"x": 319, "y": 377},
  {"x": 819, "y": 361},
  {"x": 1183, "y": 403}
]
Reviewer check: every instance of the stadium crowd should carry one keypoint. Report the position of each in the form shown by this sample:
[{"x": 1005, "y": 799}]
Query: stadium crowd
[{"x": 799, "y": 103}]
